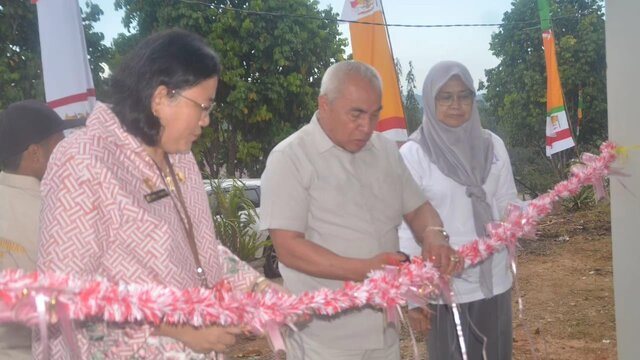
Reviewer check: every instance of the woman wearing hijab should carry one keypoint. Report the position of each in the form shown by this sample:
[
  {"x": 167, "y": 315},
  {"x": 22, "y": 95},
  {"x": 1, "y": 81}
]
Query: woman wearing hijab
[
  {"x": 123, "y": 199},
  {"x": 465, "y": 172}
]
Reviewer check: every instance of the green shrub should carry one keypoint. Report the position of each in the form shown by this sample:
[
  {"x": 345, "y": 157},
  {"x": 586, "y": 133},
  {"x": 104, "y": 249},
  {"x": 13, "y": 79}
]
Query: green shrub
[
  {"x": 585, "y": 198},
  {"x": 234, "y": 218}
]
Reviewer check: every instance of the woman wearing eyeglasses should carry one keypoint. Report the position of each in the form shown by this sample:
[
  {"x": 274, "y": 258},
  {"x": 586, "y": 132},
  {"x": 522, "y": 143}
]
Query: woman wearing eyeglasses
[
  {"x": 465, "y": 172},
  {"x": 123, "y": 199}
]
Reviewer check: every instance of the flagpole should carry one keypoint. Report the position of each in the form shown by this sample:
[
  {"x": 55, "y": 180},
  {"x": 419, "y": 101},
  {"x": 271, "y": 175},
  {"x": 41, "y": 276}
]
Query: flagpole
[{"x": 393, "y": 55}]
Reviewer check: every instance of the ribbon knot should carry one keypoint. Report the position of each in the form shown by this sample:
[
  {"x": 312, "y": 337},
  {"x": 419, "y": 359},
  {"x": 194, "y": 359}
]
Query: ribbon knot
[{"x": 475, "y": 191}]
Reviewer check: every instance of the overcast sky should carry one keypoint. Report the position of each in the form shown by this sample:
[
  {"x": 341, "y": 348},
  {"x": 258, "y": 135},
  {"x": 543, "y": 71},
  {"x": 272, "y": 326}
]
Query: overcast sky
[{"x": 423, "y": 46}]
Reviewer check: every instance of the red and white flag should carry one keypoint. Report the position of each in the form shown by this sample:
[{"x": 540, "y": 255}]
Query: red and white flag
[{"x": 68, "y": 85}]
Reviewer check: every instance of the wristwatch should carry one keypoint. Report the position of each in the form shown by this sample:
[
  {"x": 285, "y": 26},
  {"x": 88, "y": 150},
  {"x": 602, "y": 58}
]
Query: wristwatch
[{"x": 441, "y": 230}]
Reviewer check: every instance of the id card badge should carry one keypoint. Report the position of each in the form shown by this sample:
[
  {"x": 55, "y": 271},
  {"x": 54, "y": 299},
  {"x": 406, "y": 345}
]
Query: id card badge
[{"x": 156, "y": 195}]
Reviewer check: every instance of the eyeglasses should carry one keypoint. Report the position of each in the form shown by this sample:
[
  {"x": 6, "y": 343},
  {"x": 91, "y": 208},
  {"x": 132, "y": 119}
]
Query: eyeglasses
[
  {"x": 205, "y": 108},
  {"x": 464, "y": 98}
]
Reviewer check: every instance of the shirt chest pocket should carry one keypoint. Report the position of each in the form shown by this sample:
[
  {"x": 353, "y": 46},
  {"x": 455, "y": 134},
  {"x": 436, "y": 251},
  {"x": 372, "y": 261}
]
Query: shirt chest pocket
[
  {"x": 384, "y": 196},
  {"x": 335, "y": 193}
]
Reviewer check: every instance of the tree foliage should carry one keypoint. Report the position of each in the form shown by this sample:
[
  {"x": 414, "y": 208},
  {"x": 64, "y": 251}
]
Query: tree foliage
[
  {"x": 272, "y": 66},
  {"x": 412, "y": 108},
  {"x": 516, "y": 87},
  {"x": 20, "y": 62},
  {"x": 98, "y": 52},
  {"x": 20, "y": 66}
]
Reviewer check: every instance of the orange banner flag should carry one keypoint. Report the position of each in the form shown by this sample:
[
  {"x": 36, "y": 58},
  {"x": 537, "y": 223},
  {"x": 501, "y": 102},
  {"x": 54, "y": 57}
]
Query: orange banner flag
[
  {"x": 558, "y": 132},
  {"x": 370, "y": 45}
]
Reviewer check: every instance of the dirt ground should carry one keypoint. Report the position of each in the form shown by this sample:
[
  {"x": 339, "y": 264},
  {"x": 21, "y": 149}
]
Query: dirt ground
[{"x": 565, "y": 283}]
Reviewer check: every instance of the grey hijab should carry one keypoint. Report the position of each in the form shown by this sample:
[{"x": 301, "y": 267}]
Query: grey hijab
[{"x": 463, "y": 154}]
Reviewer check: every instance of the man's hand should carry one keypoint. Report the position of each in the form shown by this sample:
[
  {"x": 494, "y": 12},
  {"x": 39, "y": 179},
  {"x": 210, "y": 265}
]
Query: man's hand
[
  {"x": 420, "y": 320},
  {"x": 444, "y": 258},
  {"x": 307, "y": 257},
  {"x": 202, "y": 340},
  {"x": 386, "y": 258}
]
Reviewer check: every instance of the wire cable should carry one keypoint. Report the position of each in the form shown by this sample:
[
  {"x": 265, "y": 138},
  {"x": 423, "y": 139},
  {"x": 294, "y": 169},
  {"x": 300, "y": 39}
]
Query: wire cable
[{"x": 319, "y": 18}]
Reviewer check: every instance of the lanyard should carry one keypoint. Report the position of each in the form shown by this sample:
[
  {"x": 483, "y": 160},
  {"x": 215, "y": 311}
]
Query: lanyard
[{"x": 184, "y": 220}]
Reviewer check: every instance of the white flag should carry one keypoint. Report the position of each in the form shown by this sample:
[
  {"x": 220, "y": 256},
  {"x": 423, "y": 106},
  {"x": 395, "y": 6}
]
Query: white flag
[{"x": 68, "y": 85}]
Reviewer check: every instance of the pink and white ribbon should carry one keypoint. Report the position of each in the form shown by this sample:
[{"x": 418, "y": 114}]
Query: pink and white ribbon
[{"x": 47, "y": 297}]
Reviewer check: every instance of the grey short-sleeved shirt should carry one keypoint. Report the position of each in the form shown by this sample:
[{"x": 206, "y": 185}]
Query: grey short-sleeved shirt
[{"x": 351, "y": 204}]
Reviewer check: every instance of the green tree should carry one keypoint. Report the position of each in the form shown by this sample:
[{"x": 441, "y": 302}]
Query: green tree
[
  {"x": 516, "y": 87},
  {"x": 20, "y": 66},
  {"x": 487, "y": 117},
  {"x": 272, "y": 66},
  {"x": 20, "y": 63},
  {"x": 98, "y": 52},
  {"x": 412, "y": 108}
]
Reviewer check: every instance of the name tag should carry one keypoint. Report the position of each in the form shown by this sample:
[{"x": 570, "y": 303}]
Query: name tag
[{"x": 156, "y": 195}]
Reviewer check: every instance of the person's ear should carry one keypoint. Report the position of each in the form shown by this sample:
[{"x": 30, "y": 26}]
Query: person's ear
[
  {"x": 33, "y": 153},
  {"x": 323, "y": 103},
  {"x": 160, "y": 100},
  {"x": 34, "y": 157}
]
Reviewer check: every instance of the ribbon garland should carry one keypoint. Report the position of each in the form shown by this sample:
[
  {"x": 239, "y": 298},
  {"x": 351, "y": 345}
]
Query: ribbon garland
[{"x": 35, "y": 298}]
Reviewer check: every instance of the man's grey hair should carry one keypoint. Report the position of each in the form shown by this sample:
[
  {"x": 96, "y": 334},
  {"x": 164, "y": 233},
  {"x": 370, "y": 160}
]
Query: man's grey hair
[{"x": 335, "y": 75}]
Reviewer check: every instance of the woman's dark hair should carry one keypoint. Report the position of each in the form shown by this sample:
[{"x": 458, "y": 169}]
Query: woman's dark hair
[{"x": 174, "y": 58}]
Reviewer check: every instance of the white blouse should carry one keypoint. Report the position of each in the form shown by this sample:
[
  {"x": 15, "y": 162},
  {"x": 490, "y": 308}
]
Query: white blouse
[{"x": 449, "y": 199}]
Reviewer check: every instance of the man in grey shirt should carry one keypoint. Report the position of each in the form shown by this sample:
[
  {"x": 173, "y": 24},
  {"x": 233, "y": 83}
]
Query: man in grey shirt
[{"x": 333, "y": 196}]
